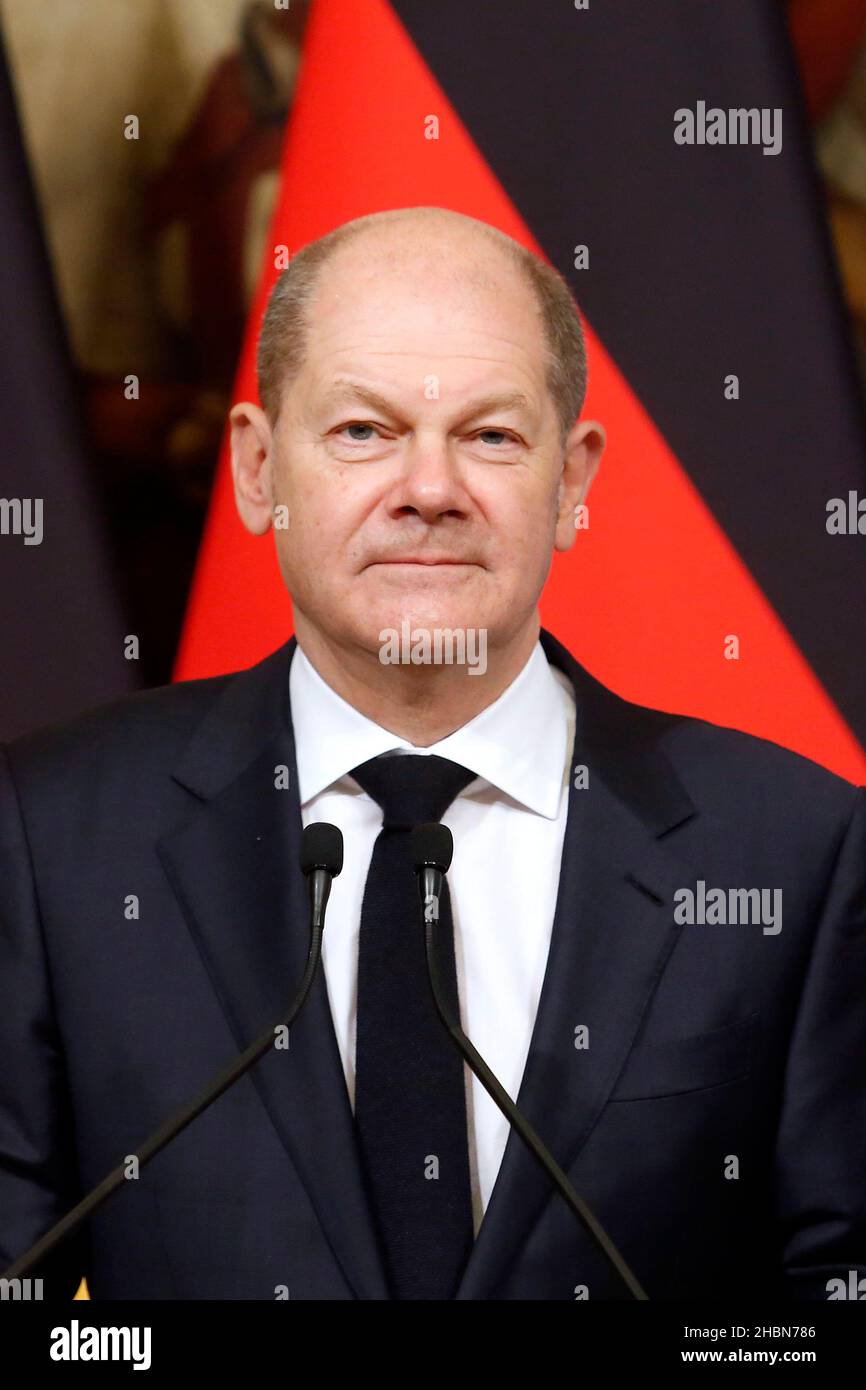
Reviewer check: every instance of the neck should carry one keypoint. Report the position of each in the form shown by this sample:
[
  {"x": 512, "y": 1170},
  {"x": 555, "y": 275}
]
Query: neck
[{"x": 421, "y": 704}]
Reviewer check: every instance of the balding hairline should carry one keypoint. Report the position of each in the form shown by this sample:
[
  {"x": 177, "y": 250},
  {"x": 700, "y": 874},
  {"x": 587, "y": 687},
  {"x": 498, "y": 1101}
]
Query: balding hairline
[{"x": 283, "y": 335}]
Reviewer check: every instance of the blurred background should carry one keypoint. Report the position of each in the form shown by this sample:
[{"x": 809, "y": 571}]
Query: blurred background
[
  {"x": 150, "y": 167},
  {"x": 154, "y": 246}
]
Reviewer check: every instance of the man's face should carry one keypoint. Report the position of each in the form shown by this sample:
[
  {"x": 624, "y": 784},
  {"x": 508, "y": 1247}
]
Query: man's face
[{"x": 418, "y": 451}]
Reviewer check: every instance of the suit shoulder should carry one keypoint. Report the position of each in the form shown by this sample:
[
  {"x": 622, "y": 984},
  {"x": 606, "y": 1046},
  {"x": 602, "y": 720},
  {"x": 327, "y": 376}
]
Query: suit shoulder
[
  {"x": 153, "y": 723},
  {"x": 748, "y": 765}
]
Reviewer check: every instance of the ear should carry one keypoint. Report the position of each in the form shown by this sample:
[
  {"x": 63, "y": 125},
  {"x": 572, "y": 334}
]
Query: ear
[
  {"x": 252, "y": 445},
  {"x": 583, "y": 450}
]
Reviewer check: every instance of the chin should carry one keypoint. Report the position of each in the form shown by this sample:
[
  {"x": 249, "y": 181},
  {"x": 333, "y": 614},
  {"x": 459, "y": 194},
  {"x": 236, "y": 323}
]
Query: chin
[
  {"x": 414, "y": 617},
  {"x": 440, "y": 599}
]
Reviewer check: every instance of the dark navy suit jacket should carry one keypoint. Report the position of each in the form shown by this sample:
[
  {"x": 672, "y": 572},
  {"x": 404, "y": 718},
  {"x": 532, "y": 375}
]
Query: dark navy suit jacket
[{"x": 715, "y": 1123}]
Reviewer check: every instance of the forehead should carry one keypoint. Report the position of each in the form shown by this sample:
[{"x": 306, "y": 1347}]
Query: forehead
[{"x": 434, "y": 302}]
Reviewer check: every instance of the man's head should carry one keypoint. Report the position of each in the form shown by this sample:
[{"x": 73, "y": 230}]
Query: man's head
[{"x": 421, "y": 376}]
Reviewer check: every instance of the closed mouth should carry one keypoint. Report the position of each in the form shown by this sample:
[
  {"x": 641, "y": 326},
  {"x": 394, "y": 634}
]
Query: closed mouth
[{"x": 416, "y": 561}]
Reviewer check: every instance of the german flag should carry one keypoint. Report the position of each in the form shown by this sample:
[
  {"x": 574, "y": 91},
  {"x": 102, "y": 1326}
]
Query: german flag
[{"x": 659, "y": 156}]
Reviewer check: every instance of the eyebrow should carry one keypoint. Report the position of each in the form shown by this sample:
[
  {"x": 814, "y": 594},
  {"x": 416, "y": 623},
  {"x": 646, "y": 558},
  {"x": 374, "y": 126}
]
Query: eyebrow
[{"x": 346, "y": 390}]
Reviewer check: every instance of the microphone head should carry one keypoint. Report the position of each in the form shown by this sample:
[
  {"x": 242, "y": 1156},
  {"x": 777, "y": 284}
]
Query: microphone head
[
  {"x": 431, "y": 846},
  {"x": 321, "y": 848}
]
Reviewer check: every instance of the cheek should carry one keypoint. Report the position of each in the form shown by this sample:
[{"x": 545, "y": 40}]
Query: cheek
[
  {"x": 306, "y": 496},
  {"x": 522, "y": 517},
  {"x": 321, "y": 545}
]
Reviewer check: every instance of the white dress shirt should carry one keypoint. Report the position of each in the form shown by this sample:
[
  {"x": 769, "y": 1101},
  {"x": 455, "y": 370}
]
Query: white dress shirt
[{"x": 508, "y": 827}]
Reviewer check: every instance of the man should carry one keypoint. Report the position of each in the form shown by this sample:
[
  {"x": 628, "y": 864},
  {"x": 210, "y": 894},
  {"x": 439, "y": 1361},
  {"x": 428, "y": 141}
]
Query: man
[{"x": 655, "y": 928}]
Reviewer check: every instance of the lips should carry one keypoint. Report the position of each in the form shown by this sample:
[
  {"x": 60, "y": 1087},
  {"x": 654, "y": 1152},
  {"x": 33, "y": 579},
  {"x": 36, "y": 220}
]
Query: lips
[{"x": 419, "y": 560}]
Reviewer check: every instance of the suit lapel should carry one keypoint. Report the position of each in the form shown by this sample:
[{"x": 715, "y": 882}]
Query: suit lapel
[
  {"x": 613, "y": 932},
  {"x": 234, "y": 868}
]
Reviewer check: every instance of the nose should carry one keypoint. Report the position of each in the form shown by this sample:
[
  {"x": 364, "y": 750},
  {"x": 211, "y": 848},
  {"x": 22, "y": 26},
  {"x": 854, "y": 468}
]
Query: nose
[{"x": 430, "y": 483}]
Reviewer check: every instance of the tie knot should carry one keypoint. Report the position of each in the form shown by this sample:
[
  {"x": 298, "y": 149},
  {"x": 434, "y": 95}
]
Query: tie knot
[{"x": 412, "y": 788}]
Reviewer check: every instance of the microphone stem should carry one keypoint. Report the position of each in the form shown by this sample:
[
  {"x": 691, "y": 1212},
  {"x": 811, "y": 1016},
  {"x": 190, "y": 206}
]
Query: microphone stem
[
  {"x": 498, "y": 1093},
  {"x": 175, "y": 1124}
]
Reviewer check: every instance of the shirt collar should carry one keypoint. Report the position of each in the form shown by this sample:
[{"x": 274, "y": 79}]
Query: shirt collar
[{"x": 518, "y": 744}]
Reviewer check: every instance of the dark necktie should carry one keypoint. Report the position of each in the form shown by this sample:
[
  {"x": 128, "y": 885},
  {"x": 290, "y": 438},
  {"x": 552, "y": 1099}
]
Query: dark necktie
[{"x": 410, "y": 1106}]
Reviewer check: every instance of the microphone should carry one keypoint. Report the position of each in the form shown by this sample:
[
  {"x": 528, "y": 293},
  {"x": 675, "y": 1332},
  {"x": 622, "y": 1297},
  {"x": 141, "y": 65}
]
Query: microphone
[
  {"x": 321, "y": 860},
  {"x": 432, "y": 848}
]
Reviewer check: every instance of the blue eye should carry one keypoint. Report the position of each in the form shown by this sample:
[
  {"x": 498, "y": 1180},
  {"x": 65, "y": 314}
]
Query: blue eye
[
  {"x": 358, "y": 425},
  {"x": 500, "y": 433}
]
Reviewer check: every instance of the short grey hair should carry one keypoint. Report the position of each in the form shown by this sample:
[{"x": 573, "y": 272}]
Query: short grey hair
[{"x": 283, "y": 334}]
